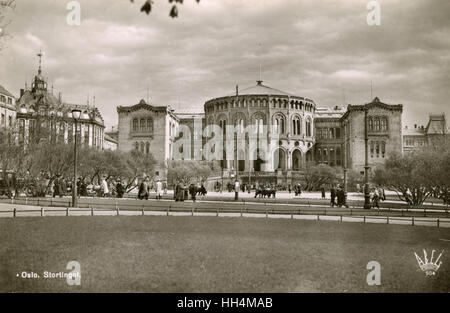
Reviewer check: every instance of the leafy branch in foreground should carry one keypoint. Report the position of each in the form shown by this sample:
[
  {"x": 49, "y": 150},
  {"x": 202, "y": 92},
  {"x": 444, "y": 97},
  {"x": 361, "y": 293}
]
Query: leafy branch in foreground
[{"x": 147, "y": 7}]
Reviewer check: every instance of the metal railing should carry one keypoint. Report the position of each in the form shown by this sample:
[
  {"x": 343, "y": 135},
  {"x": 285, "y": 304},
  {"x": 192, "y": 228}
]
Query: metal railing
[{"x": 236, "y": 209}]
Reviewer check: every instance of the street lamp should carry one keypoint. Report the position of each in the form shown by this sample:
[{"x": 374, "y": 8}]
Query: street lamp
[
  {"x": 366, "y": 162},
  {"x": 76, "y": 113}
]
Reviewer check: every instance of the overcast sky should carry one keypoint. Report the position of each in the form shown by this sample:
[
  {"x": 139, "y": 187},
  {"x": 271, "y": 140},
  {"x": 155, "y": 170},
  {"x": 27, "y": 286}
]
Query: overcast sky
[{"x": 324, "y": 50}]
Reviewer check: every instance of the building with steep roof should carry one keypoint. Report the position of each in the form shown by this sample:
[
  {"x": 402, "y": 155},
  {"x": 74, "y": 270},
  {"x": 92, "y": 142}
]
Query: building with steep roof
[
  {"x": 435, "y": 133},
  {"x": 41, "y": 114}
]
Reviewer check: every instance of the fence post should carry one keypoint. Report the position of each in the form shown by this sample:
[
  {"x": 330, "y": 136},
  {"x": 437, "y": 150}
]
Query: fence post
[
  {"x": 67, "y": 211},
  {"x": 167, "y": 213},
  {"x": 143, "y": 212},
  {"x": 42, "y": 212},
  {"x": 192, "y": 211},
  {"x": 413, "y": 221},
  {"x": 437, "y": 222},
  {"x": 241, "y": 212},
  {"x": 117, "y": 211},
  {"x": 341, "y": 217},
  {"x": 92, "y": 211},
  {"x": 14, "y": 212},
  {"x": 364, "y": 218},
  {"x": 217, "y": 212},
  {"x": 387, "y": 219}
]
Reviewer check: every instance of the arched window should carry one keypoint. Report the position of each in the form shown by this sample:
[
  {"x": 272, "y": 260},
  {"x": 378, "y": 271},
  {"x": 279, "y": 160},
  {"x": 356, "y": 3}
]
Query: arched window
[
  {"x": 377, "y": 124},
  {"x": 383, "y": 123},
  {"x": 135, "y": 125},
  {"x": 147, "y": 148},
  {"x": 370, "y": 124},
  {"x": 143, "y": 125},
  {"x": 142, "y": 147},
  {"x": 136, "y": 146},
  {"x": 296, "y": 126},
  {"x": 149, "y": 125},
  {"x": 383, "y": 149},
  {"x": 308, "y": 127}
]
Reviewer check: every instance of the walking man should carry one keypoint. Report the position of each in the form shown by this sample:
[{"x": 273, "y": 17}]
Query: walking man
[
  {"x": 159, "y": 190},
  {"x": 333, "y": 196}
]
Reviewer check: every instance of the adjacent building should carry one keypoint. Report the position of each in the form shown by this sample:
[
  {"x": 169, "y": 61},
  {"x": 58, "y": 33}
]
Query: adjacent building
[
  {"x": 41, "y": 114},
  {"x": 7, "y": 108},
  {"x": 419, "y": 137},
  {"x": 148, "y": 128}
]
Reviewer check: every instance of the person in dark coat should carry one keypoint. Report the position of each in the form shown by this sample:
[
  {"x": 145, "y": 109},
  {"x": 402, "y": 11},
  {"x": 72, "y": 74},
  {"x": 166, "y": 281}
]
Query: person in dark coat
[
  {"x": 193, "y": 191},
  {"x": 322, "y": 189},
  {"x": 340, "y": 197},
  {"x": 333, "y": 196},
  {"x": 57, "y": 190},
  {"x": 120, "y": 190}
]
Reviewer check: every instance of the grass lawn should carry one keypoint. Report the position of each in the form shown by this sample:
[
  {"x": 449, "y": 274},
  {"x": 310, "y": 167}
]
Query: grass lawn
[{"x": 210, "y": 254}]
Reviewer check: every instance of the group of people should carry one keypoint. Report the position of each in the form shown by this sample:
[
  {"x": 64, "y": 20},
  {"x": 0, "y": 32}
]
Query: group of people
[
  {"x": 145, "y": 187},
  {"x": 183, "y": 190},
  {"x": 336, "y": 193}
]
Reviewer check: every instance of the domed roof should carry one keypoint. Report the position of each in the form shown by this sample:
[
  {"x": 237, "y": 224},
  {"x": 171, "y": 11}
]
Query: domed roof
[{"x": 260, "y": 89}]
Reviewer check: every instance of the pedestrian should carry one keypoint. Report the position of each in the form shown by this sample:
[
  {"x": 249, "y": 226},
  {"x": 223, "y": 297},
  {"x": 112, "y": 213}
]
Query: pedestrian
[
  {"x": 236, "y": 190},
  {"x": 340, "y": 196},
  {"x": 322, "y": 189},
  {"x": 193, "y": 192},
  {"x": 376, "y": 198},
  {"x": 120, "y": 190},
  {"x": 333, "y": 196},
  {"x": 159, "y": 190},
  {"x": 144, "y": 189}
]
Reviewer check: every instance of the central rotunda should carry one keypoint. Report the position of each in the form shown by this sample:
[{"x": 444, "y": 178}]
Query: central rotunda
[{"x": 288, "y": 117}]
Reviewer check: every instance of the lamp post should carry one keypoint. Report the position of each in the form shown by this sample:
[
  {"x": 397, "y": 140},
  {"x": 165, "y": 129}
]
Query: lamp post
[
  {"x": 76, "y": 113},
  {"x": 366, "y": 162},
  {"x": 345, "y": 164}
]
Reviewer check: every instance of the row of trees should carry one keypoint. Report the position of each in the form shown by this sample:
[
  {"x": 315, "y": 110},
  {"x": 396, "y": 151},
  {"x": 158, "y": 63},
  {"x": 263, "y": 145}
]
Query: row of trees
[
  {"x": 46, "y": 159},
  {"x": 419, "y": 175}
]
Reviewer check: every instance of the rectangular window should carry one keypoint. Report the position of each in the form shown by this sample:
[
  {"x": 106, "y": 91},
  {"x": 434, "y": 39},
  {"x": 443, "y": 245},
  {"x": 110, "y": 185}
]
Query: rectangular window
[
  {"x": 338, "y": 132},
  {"x": 325, "y": 156},
  {"x": 2, "y": 123},
  {"x": 378, "y": 149},
  {"x": 86, "y": 135},
  {"x": 10, "y": 121},
  {"x": 338, "y": 156},
  {"x": 331, "y": 133},
  {"x": 372, "y": 148}
]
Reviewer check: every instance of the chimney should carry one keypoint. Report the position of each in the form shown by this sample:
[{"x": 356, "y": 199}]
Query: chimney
[{"x": 237, "y": 90}]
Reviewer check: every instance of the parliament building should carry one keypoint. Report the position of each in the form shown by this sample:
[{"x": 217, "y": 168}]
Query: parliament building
[{"x": 306, "y": 134}]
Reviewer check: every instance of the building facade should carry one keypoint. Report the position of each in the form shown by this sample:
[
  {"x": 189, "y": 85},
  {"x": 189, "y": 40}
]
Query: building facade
[
  {"x": 149, "y": 129},
  {"x": 420, "y": 137},
  {"x": 294, "y": 130},
  {"x": 7, "y": 108},
  {"x": 40, "y": 113}
]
